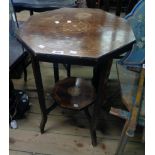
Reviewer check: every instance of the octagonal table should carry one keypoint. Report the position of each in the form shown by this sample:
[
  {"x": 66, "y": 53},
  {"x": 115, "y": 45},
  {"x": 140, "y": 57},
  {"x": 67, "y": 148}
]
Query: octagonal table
[{"x": 78, "y": 36}]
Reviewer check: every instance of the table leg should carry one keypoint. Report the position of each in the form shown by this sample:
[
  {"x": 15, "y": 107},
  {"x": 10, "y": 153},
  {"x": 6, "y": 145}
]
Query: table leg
[
  {"x": 91, "y": 3},
  {"x": 100, "y": 79},
  {"x": 118, "y": 7},
  {"x": 106, "y": 5},
  {"x": 25, "y": 74},
  {"x": 92, "y": 133},
  {"x": 68, "y": 70},
  {"x": 31, "y": 12},
  {"x": 56, "y": 72},
  {"x": 40, "y": 91}
]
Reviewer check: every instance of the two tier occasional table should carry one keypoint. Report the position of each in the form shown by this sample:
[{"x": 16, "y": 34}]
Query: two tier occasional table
[{"x": 79, "y": 36}]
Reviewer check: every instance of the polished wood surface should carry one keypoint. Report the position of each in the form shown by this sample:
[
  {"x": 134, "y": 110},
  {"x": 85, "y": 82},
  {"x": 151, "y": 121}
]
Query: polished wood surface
[
  {"x": 74, "y": 93},
  {"x": 75, "y": 32}
]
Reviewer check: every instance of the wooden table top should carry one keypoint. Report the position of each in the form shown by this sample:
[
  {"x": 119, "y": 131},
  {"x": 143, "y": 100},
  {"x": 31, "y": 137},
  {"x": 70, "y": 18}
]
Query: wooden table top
[{"x": 76, "y": 32}]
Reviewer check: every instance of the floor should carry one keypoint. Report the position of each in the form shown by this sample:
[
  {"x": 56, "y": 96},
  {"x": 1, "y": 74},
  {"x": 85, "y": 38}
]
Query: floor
[{"x": 66, "y": 132}]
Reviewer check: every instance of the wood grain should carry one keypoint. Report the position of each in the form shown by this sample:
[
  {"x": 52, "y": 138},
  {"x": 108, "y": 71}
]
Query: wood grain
[
  {"x": 76, "y": 32},
  {"x": 54, "y": 144},
  {"x": 74, "y": 93}
]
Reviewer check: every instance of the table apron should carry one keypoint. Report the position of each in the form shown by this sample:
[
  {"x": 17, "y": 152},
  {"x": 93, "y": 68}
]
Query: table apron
[{"x": 67, "y": 60}]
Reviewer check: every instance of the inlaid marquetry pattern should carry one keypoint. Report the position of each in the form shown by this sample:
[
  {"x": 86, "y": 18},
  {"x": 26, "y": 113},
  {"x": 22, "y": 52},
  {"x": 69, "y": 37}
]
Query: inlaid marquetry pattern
[
  {"x": 75, "y": 27},
  {"x": 78, "y": 22},
  {"x": 76, "y": 32}
]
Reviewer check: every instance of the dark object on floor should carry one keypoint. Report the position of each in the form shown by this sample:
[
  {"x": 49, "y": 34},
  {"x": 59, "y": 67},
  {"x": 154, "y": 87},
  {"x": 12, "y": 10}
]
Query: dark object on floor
[{"x": 18, "y": 103}]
